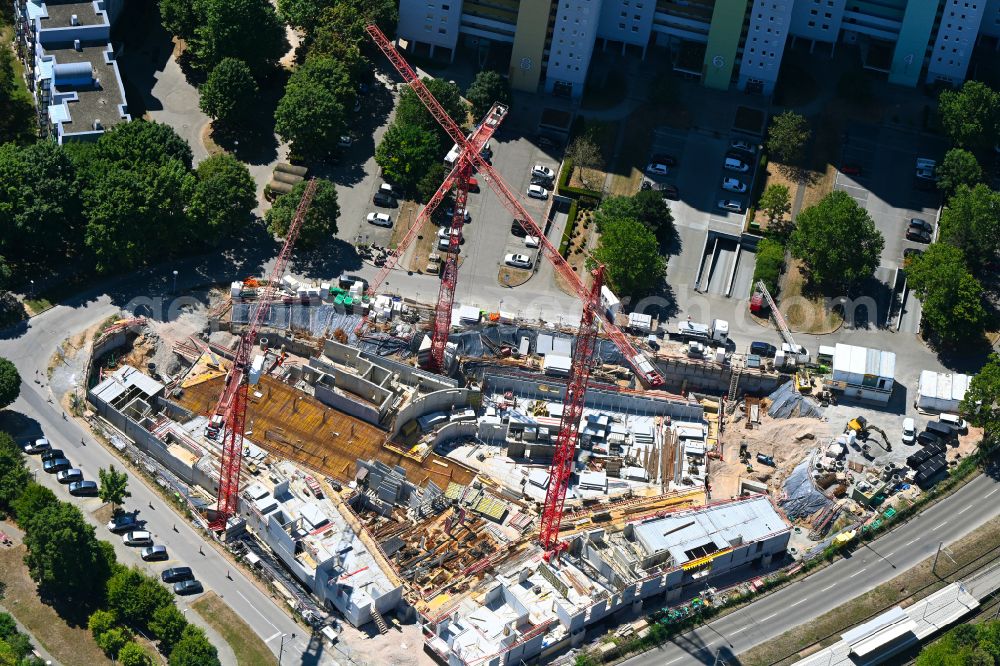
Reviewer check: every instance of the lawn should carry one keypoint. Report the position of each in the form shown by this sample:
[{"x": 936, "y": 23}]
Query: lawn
[
  {"x": 37, "y": 305},
  {"x": 804, "y": 313},
  {"x": 69, "y": 645},
  {"x": 905, "y": 589},
  {"x": 247, "y": 645}
]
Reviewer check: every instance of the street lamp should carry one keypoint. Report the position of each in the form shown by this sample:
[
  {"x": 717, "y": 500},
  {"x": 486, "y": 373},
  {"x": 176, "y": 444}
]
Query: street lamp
[
  {"x": 175, "y": 282},
  {"x": 281, "y": 648}
]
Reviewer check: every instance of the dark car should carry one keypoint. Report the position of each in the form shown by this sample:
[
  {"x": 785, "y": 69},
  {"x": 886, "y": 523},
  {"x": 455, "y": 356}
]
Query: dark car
[
  {"x": 917, "y": 223},
  {"x": 154, "y": 553},
  {"x": 763, "y": 349},
  {"x": 541, "y": 180},
  {"x": 928, "y": 438},
  {"x": 850, "y": 170},
  {"x": 188, "y": 587},
  {"x": 517, "y": 229},
  {"x": 911, "y": 252},
  {"x": 126, "y": 522},
  {"x": 345, "y": 281},
  {"x": 663, "y": 158},
  {"x": 670, "y": 192},
  {"x": 83, "y": 488},
  {"x": 175, "y": 574},
  {"x": 918, "y": 235},
  {"x": 384, "y": 200},
  {"x": 69, "y": 476},
  {"x": 57, "y": 465},
  {"x": 52, "y": 454},
  {"x": 546, "y": 141}
]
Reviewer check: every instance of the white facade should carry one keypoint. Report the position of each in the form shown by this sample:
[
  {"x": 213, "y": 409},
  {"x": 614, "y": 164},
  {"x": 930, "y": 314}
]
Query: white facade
[
  {"x": 818, "y": 20},
  {"x": 956, "y": 37},
  {"x": 867, "y": 373},
  {"x": 765, "y": 45},
  {"x": 941, "y": 391},
  {"x": 434, "y": 22},
  {"x": 572, "y": 46},
  {"x": 627, "y": 21}
]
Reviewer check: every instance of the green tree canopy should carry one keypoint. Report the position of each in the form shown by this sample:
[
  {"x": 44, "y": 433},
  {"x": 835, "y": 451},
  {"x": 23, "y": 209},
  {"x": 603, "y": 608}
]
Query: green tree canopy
[
  {"x": 971, "y": 115},
  {"x": 101, "y": 621},
  {"x": 313, "y": 113},
  {"x": 631, "y": 256},
  {"x": 229, "y": 93},
  {"x": 30, "y": 503},
  {"x": 40, "y": 205},
  {"x": 64, "y": 557},
  {"x": 133, "y": 654},
  {"x": 224, "y": 196},
  {"x": 320, "y": 223},
  {"x": 647, "y": 206},
  {"x": 143, "y": 142},
  {"x": 950, "y": 297},
  {"x": 406, "y": 153},
  {"x": 340, "y": 29},
  {"x": 959, "y": 167},
  {"x": 114, "y": 486},
  {"x": 302, "y": 14},
  {"x": 179, "y": 17},
  {"x": 430, "y": 181},
  {"x": 775, "y": 203},
  {"x": 964, "y": 645},
  {"x": 135, "y": 597},
  {"x": 837, "y": 240},
  {"x": 787, "y": 137},
  {"x": 410, "y": 111},
  {"x": 17, "y": 118},
  {"x": 971, "y": 222},
  {"x": 10, "y": 383},
  {"x": 981, "y": 405},
  {"x": 249, "y": 30},
  {"x": 194, "y": 649},
  {"x": 167, "y": 625},
  {"x": 486, "y": 89},
  {"x": 14, "y": 475},
  {"x": 113, "y": 640}
]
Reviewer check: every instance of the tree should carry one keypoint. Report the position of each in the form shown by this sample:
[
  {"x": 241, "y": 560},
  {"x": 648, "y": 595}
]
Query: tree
[
  {"x": 40, "y": 205},
  {"x": 312, "y": 114},
  {"x": 345, "y": 20},
  {"x": 224, "y": 196},
  {"x": 194, "y": 649},
  {"x": 10, "y": 383},
  {"x": 647, "y": 206},
  {"x": 971, "y": 222},
  {"x": 17, "y": 118},
  {"x": 142, "y": 142},
  {"x": 133, "y": 654},
  {"x": 302, "y": 14},
  {"x": 249, "y": 30},
  {"x": 486, "y": 89},
  {"x": 950, "y": 297},
  {"x": 320, "y": 223},
  {"x": 971, "y": 115},
  {"x": 837, "y": 240},
  {"x": 114, "y": 486},
  {"x": 14, "y": 475},
  {"x": 775, "y": 203},
  {"x": 100, "y": 621},
  {"x": 631, "y": 256},
  {"x": 179, "y": 17},
  {"x": 113, "y": 640},
  {"x": 167, "y": 625},
  {"x": 430, "y": 181},
  {"x": 959, "y": 167},
  {"x": 228, "y": 93},
  {"x": 787, "y": 137},
  {"x": 406, "y": 154},
  {"x": 410, "y": 111},
  {"x": 585, "y": 154},
  {"x": 30, "y": 503},
  {"x": 981, "y": 405},
  {"x": 134, "y": 597},
  {"x": 64, "y": 556}
]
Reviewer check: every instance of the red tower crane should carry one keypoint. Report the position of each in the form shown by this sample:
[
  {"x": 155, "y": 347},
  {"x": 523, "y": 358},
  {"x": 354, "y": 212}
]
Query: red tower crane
[
  {"x": 569, "y": 426},
  {"x": 231, "y": 410}
]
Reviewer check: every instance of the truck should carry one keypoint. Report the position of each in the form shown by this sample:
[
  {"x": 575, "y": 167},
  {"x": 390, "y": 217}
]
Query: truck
[{"x": 717, "y": 332}]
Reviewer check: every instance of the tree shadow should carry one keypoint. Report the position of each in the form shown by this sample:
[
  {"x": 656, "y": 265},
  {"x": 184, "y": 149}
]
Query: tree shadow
[
  {"x": 253, "y": 140},
  {"x": 331, "y": 260},
  {"x": 799, "y": 174}
]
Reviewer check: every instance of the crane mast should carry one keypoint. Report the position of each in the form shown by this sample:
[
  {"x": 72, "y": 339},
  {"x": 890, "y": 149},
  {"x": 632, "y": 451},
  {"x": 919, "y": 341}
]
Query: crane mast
[{"x": 231, "y": 409}]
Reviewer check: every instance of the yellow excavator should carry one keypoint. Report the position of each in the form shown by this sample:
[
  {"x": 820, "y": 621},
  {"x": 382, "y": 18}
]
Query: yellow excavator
[{"x": 861, "y": 426}]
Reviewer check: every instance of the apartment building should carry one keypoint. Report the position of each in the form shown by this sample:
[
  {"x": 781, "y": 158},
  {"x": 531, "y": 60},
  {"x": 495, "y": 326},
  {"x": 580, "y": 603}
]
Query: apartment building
[{"x": 725, "y": 43}]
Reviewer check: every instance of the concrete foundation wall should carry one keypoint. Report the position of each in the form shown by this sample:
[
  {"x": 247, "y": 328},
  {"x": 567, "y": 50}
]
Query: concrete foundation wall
[{"x": 438, "y": 401}]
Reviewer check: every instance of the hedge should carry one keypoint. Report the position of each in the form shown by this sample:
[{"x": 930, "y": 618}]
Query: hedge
[
  {"x": 568, "y": 231},
  {"x": 770, "y": 262},
  {"x": 574, "y": 192}
]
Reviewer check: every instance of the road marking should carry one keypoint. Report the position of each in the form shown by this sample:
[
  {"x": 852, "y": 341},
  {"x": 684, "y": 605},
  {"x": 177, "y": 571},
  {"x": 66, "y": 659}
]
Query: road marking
[
  {"x": 995, "y": 491},
  {"x": 800, "y": 601},
  {"x": 911, "y": 542},
  {"x": 941, "y": 524},
  {"x": 257, "y": 611},
  {"x": 888, "y": 555},
  {"x": 272, "y": 637},
  {"x": 765, "y": 619},
  {"x": 857, "y": 573},
  {"x": 740, "y": 629},
  {"x": 828, "y": 587},
  {"x": 965, "y": 509},
  {"x": 673, "y": 660}
]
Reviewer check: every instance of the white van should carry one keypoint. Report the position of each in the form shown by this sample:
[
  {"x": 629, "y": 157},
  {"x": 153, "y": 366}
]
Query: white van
[
  {"x": 955, "y": 421},
  {"x": 734, "y": 164}
]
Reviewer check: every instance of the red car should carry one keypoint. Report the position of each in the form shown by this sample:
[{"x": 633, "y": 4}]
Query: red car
[
  {"x": 850, "y": 170},
  {"x": 473, "y": 184}
]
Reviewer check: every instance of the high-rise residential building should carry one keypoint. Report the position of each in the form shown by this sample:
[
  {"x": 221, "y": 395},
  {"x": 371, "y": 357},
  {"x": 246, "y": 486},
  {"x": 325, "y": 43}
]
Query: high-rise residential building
[{"x": 726, "y": 43}]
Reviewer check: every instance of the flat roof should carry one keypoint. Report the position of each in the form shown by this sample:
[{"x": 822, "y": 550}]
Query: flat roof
[
  {"x": 725, "y": 525},
  {"x": 101, "y": 102},
  {"x": 943, "y": 385},
  {"x": 61, "y": 14},
  {"x": 864, "y": 361}
]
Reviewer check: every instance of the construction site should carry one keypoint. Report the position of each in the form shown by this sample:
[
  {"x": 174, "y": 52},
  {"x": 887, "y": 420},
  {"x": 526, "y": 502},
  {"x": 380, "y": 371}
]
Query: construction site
[{"x": 505, "y": 485}]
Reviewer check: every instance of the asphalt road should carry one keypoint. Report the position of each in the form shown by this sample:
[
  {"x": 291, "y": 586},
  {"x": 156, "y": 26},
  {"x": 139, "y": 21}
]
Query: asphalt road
[{"x": 804, "y": 601}]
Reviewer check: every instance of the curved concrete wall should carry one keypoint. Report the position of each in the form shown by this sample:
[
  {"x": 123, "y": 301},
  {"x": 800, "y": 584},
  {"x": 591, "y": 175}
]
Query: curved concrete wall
[{"x": 438, "y": 401}]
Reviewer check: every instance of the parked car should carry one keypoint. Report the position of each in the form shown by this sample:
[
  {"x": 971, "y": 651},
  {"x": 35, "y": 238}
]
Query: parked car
[
  {"x": 733, "y": 164},
  {"x": 38, "y": 446},
  {"x": 175, "y": 574},
  {"x": 138, "y": 538},
  {"x": 52, "y": 454},
  {"x": 384, "y": 200},
  {"x": 518, "y": 260},
  {"x": 473, "y": 184},
  {"x": 445, "y": 233},
  {"x": 850, "y": 170},
  {"x": 918, "y": 235},
  {"x": 379, "y": 219},
  {"x": 928, "y": 438},
  {"x": 733, "y": 184},
  {"x": 909, "y": 254},
  {"x": 531, "y": 241},
  {"x": 543, "y": 171},
  {"x": 668, "y": 191},
  {"x": 764, "y": 349},
  {"x": 188, "y": 587},
  {"x": 154, "y": 553},
  {"x": 517, "y": 229},
  {"x": 83, "y": 488},
  {"x": 657, "y": 169},
  {"x": 345, "y": 141},
  {"x": 537, "y": 192},
  {"x": 917, "y": 223},
  {"x": 731, "y": 205},
  {"x": 450, "y": 213},
  {"x": 955, "y": 421},
  {"x": 69, "y": 475},
  {"x": 663, "y": 158},
  {"x": 541, "y": 180},
  {"x": 909, "y": 431},
  {"x": 56, "y": 465},
  {"x": 125, "y": 522},
  {"x": 745, "y": 146}
]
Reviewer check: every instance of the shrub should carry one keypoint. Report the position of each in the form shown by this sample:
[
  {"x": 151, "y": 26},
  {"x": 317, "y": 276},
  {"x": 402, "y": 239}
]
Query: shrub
[{"x": 770, "y": 262}]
